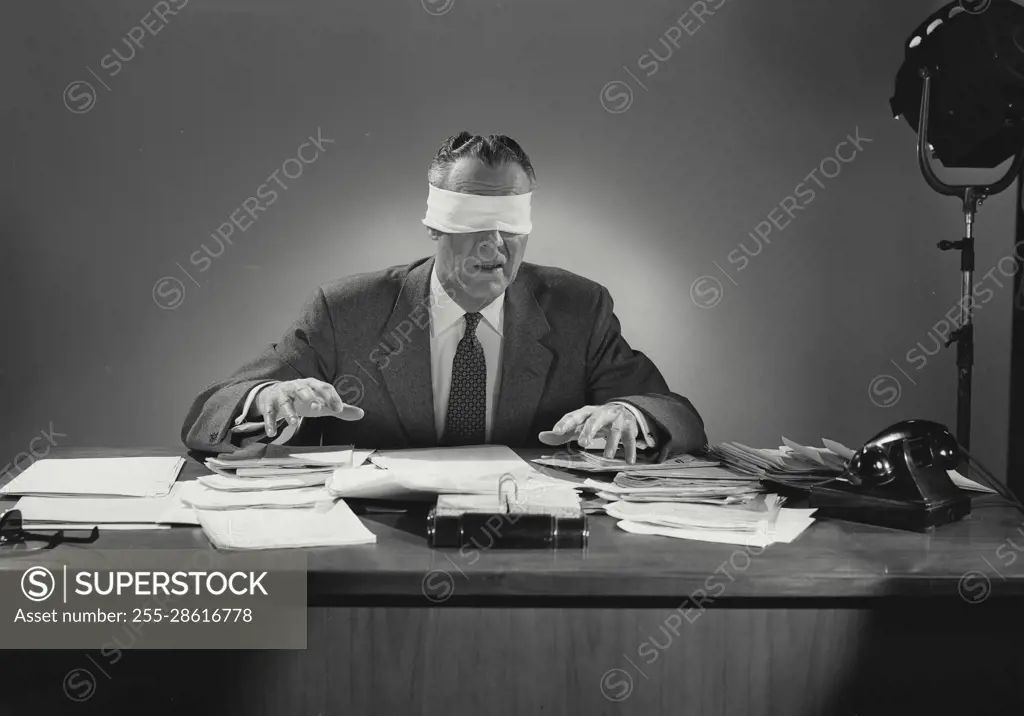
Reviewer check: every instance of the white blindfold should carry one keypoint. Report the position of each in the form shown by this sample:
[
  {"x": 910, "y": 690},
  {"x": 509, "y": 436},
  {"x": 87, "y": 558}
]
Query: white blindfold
[{"x": 455, "y": 213}]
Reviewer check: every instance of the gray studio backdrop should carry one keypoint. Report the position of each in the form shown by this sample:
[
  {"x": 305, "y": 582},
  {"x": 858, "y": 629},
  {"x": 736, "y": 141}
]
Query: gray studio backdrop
[{"x": 661, "y": 140}]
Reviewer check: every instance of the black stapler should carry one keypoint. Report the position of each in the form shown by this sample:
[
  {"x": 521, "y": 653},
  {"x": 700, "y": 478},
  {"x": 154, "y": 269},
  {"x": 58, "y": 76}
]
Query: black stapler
[{"x": 898, "y": 479}]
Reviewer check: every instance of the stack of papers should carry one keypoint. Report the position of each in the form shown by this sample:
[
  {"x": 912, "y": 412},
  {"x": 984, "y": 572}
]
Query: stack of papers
[
  {"x": 684, "y": 478},
  {"x": 470, "y": 468},
  {"x": 794, "y": 463},
  {"x": 275, "y": 497},
  {"x": 576, "y": 459},
  {"x": 791, "y": 461},
  {"x": 545, "y": 499},
  {"x": 275, "y": 479},
  {"x": 717, "y": 496},
  {"x": 332, "y": 524},
  {"x": 98, "y": 476},
  {"x": 110, "y": 513},
  {"x": 735, "y": 490},
  {"x": 200, "y": 496},
  {"x": 426, "y": 473},
  {"x": 122, "y": 493},
  {"x": 756, "y": 524},
  {"x": 279, "y": 467}
]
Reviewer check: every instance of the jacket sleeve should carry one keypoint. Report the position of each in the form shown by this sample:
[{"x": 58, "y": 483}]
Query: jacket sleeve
[
  {"x": 307, "y": 350},
  {"x": 617, "y": 372}
]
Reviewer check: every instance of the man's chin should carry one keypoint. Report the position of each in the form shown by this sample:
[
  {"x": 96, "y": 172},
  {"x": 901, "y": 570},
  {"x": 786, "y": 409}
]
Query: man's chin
[{"x": 481, "y": 286}]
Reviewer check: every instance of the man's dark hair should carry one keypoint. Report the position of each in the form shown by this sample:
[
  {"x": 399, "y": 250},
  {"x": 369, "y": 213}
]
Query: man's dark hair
[{"x": 494, "y": 150}]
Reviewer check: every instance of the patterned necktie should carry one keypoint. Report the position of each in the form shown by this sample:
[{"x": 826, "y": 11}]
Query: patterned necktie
[{"x": 466, "y": 421}]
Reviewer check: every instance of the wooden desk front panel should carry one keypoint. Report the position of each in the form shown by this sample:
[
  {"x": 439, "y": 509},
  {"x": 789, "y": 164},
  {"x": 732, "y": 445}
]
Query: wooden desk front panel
[{"x": 441, "y": 661}]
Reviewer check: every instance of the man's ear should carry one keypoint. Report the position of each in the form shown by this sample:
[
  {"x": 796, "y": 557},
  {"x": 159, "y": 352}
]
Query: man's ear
[{"x": 434, "y": 233}]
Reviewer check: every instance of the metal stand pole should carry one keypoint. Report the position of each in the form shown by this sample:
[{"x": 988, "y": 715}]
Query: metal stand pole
[
  {"x": 971, "y": 197},
  {"x": 963, "y": 336}
]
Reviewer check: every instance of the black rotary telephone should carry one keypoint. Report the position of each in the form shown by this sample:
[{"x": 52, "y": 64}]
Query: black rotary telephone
[{"x": 899, "y": 479}]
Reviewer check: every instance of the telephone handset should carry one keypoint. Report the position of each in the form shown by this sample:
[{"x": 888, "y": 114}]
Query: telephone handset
[
  {"x": 899, "y": 479},
  {"x": 921, "y": 443}
]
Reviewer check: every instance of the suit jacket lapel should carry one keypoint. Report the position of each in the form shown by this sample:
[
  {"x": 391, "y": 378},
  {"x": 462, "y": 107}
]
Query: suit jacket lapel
[
  {"x": 405, "y": 357},
  {"x": 524, "y": 364}
]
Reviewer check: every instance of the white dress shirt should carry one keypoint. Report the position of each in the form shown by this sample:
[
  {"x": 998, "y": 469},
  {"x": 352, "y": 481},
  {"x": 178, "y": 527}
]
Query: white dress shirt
[{"x": 447, "y": 327}]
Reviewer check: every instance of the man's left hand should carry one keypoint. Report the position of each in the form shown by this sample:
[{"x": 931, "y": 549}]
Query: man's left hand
[{"x": 612, "y": 422}]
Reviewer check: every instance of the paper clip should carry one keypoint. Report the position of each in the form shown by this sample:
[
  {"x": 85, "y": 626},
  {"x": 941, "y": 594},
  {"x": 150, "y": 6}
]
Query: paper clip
[{"x": 504, "y": 503}]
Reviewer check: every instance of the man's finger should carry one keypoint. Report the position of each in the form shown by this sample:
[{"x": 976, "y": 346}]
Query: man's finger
[
  {"x": 328, "y": 397},
  {"x": 595, "y": 422},
  {"x": 306, "y": 395},
  {"x": 325, "y": 401},
  {"x": 614, "y": 436},
  {"x": 574, "y": 419},
  {"x": 629, "y": 441},
  {"x": 270, "y": 418},
  {"x": 571, "y": 421},
  {"x": 286, "y": 408}
]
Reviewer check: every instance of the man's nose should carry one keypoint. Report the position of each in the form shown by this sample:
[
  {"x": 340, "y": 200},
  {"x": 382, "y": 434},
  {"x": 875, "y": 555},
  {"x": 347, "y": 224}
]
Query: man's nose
[{"x": 491, "y": 245}]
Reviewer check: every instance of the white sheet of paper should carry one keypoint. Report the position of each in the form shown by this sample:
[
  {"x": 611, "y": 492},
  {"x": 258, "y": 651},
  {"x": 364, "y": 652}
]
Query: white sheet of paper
[
  {"x": 334, "y": 526},
  {"x": 338, "y": 458},
  {"x": 687, "y": 515},
  {"x": 86, "y": 526},
  {"x": 469, "y": 469},
  {"x": 409, "y": 483},
  {"x": 263, "y": 472},
  {"x": 98, "y": 476},
  {"x": 201, "y": 497},
  {"x": 107, "y": 510},
  {"x": 466, "y": 460},
  {"x": 838, "y": 448},
  {"x": 967, "y": 483},
  {"x": 226, "y": 482},
  {"x": 535, "y": 499},
  {"x": 789, "y": 525},
  {"x": 800, "y": 449},
  {"x": 371, "y": 482}
]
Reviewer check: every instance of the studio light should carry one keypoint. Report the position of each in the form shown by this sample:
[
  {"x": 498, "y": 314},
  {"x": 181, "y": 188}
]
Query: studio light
[{"x": 961, "y": 89}]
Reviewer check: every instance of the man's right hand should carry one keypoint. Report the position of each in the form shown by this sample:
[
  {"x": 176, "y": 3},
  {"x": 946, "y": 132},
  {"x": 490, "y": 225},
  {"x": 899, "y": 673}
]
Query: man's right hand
[{"x": 302, "y": 398}]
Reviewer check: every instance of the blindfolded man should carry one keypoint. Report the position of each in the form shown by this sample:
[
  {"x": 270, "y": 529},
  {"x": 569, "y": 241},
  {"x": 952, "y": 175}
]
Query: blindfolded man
[{"x": 467, "y": 347}]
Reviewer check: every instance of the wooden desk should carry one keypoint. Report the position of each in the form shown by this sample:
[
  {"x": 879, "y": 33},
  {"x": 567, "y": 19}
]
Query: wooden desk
[{"x": 849, "y": 619}]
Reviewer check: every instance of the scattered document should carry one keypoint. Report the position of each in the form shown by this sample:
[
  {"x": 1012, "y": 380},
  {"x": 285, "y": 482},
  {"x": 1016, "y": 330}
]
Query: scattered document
[
  {"x": 333, "y": 525},
  {"x": 199, "y": 496},
  {"x": 100, "y": 477},
  {"x": 89, "y": 511},
  {"x": 375, "y": 483},
  {"x": 468, "y": 458},
  {"x": 756, "y": 523},
  {"x": 744, "y": 518},
  {"x": 698, "y": 491},
  {"x": 338, "y": 458},
  {"x": 406, "y": 482},
  {"x": 792, "y": 461},
  {"x": 533, "y": 499},
  {"x": 966, "y": 483},
  {"x": 838, "y": 448},
  {"x": 474, "y": 468},
  {"x": 789, "y": 525},
  {"x": 266, "y": 464},
  {"x": 588, "y": 462},
  {"x": 218, "y": 481},
  {"x": 280, "y": 471},
  {"x": 87, "y": 526}
]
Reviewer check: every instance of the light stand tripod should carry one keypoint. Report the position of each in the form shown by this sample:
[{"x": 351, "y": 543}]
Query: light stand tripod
[{"x": 971, "y": 198}]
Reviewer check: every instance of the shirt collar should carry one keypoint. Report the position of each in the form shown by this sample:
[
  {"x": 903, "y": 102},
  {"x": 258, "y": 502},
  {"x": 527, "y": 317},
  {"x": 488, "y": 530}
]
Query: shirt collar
[{"x": 444, "y": 312}]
